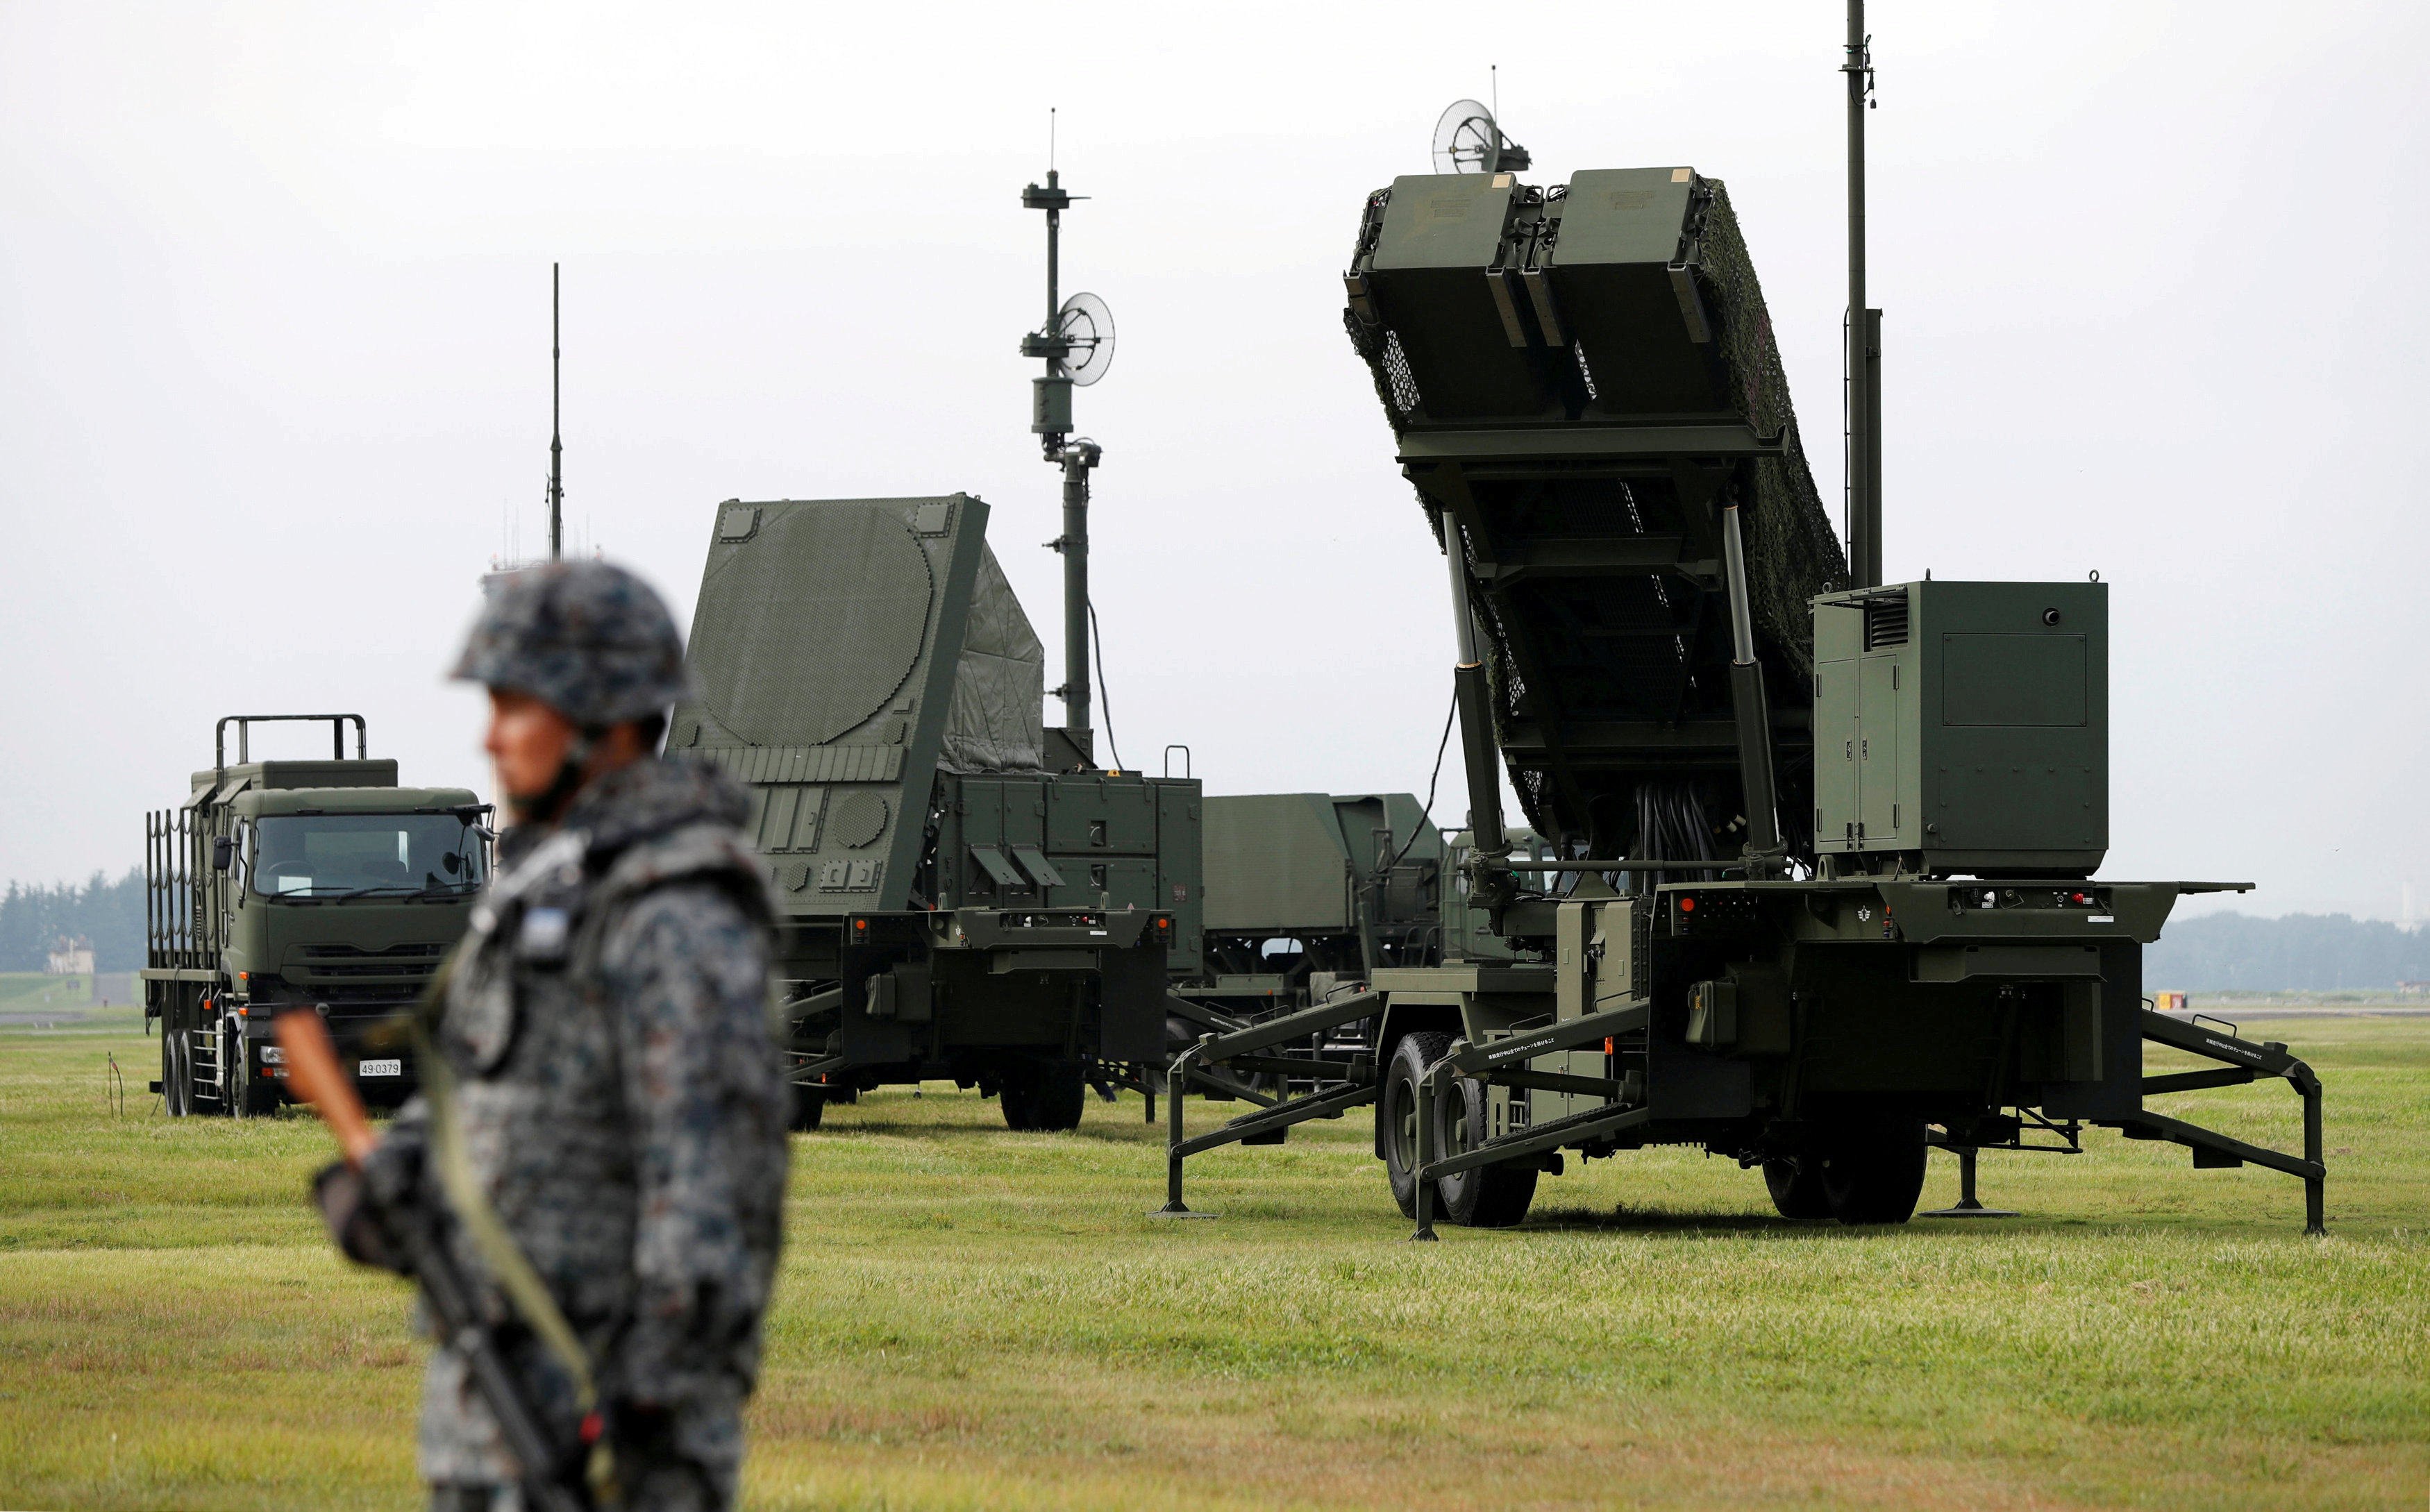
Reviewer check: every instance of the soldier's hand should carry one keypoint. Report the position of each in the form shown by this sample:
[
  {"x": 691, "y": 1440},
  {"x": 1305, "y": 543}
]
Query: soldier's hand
[{"x": 353, "y": 1219}]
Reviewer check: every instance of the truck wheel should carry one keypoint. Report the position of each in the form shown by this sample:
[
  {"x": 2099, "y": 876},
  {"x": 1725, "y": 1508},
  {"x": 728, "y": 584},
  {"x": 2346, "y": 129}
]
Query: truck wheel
[
  {"x": 260, "y": 1099},
  {"x": 1486, "y": 1196},
  {"x": 1872, "y": 1171},
  {"x": 1060, "y": 1095},
  {"x": 1796, "y": 1188},
  {"x": 173, "y": 1069},
  {"x": 1014, "y": 1092},
  {"x": 1398, "y": 1113},
  {"x": 232, "y": 1089},
  {"x": 809, "y": 1107}
]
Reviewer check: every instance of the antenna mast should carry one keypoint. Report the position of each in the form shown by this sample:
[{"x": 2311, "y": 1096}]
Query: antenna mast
[
  {"x": 1863, "y": 352},
  {"x": 1077, "y": 344},
  {"x": 556, "y": 428}
]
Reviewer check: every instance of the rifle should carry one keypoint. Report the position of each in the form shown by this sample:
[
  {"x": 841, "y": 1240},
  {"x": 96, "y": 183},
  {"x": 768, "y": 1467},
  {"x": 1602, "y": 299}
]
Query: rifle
[{"x": 551, "y": 1478}]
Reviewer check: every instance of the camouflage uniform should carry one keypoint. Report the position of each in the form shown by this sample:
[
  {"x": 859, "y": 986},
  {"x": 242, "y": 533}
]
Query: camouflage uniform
[{"x": 618, "y": 1094}]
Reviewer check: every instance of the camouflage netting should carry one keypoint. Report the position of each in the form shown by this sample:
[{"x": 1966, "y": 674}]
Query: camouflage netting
[
  {"x": 998, "y": 719},
  {"x": 1792, "y": 551}
]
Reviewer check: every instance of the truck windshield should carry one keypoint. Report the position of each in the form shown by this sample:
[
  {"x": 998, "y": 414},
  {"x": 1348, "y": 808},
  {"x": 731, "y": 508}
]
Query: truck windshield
[{"x": 343, "y": 856}]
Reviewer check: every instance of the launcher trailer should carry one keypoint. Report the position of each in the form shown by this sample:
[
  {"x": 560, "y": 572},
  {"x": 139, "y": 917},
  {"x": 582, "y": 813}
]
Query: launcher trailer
[{"x": 1821, "y": 885}]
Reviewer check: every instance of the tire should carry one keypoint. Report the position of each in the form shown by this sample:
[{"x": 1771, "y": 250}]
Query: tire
[
  {"x": 1013, "y": 1090},
  {"x": 1396, "y": 1114},
  {"x": 172, "y": 1070},
  {"x": 251, "y": 1097},
  {"x": 1060, "y": 1095},
  {"x": 260, "y": 1099},
  {"x": 1486, "y": 1196},
  {"x": 1796, "y": 1188},
  {"x": 183, "y": 1049},
  {"x": 1873, "y": 1169},
  {"x": 1044, "y": 1095},
  {"x": 809, "y": 1107},
  {"x": 235, "y": 1092}
]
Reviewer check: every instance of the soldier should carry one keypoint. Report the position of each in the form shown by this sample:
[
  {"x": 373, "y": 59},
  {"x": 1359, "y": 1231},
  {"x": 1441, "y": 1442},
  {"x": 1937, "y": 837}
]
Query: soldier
[{"x": 606, "y": 1070}]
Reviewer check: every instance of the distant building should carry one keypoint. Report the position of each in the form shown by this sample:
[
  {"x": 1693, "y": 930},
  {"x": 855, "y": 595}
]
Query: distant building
[
  {"x": 71, "y": 958},
  {"x": 2413, "y": 989}
]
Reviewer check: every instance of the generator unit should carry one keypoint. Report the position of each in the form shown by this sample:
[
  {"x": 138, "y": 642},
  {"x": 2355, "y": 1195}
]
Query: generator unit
[{"x": 1962, "y": 728}]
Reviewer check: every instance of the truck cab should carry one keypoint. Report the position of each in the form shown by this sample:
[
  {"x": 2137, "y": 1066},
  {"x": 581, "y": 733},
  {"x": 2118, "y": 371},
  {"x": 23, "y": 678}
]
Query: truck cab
[{"x": 285, "y": 884}]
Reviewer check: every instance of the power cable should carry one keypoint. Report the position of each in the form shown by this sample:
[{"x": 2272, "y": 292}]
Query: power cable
[
  {"x": 1105, "y": 705},
  {"x": 1425, "y": 815}
]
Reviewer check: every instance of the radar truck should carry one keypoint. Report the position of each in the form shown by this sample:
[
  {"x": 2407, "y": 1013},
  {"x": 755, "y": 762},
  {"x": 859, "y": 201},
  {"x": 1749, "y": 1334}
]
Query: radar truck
[
  {"x": 281, "y": 883},
  {"x": 962, "y": 894},
  {"x": 1822, "y": 887}
]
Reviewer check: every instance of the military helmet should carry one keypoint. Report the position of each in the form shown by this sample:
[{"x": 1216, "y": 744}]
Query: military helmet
[{"x": 587, "y": 638}]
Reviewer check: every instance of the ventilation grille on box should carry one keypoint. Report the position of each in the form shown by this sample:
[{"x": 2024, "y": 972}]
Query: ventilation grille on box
[{"x": 1886, "y": 621}]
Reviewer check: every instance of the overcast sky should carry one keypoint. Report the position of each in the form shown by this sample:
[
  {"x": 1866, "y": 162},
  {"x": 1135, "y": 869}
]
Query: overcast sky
[{"x": 274, "y": 353}]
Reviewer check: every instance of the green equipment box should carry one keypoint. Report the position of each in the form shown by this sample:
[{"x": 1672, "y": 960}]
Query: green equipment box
[{"x": 1963, "y": 729}]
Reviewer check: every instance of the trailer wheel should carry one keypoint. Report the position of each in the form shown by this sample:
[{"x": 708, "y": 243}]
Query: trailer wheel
[
  {"x": 1482, "y": 1196},
  {"x": 1873, "y": 1169},
  {"x": 1398, "y": 1113},
  {"x": 1796, "y": 1189},
  {"x": 809, "y": 1107}
]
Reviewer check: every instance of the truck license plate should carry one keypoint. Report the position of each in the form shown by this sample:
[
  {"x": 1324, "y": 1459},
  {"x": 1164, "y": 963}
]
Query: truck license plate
[{"x": 380, "y": 1068}]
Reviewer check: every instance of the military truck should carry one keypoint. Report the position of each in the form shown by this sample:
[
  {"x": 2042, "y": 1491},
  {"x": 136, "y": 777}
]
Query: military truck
[
  {"x": 1823, "y": 886},
  {"x": 963, "y": 893},
  {"x": 280, "y": 883}
]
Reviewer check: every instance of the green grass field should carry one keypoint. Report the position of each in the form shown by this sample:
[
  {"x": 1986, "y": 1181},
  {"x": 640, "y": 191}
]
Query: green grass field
[
  {"x": 26, "y": 994},
  {"x": 971, "y": 1318}
]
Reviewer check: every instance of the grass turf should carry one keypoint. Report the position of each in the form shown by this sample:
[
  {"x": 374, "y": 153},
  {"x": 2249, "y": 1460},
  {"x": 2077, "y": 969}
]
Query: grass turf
[{"x": 971, "y": 1318}]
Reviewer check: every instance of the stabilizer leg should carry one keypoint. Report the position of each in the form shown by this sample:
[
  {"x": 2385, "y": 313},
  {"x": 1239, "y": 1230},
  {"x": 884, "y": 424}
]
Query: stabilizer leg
[
  {"x": 1968, "y": 1205},
  {"x": 1175, "y": 1081}
]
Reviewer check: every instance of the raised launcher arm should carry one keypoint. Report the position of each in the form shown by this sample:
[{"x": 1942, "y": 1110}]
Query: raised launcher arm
[{"x": 1583, "y": 383}]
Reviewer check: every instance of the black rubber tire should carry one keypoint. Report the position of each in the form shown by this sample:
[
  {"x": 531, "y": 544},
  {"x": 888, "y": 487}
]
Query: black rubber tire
[
  {"x": 1396, "y": 1114},
  {"x": 1486, "y": 1196},
  {"x": 1796, "y": 1188},
  {"x": 1873, "y": 1169},
  {"x": 185, "y": 1079},
  {"x": 173, "y": 1096},
  {"x": 1014, "y": 1090},
  {"x": 232, "y": 1089},
  {"x": 256, "y": 1096},
  {"x": 1058, "y": 1095},
  {"x": 809, "y": 1107}
]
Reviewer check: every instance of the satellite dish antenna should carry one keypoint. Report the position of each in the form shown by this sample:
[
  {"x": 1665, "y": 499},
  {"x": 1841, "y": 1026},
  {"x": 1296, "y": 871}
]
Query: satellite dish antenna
[
  {"x": 1087, "y": 327},
  {"x": 1467, "y": 141}
]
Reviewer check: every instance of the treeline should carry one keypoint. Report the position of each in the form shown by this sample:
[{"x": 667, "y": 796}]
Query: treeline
[
  {"x": 2300, "y": 953},
  {"x": 108, "y": 914},
  {"x": 2215, "y": 953}
]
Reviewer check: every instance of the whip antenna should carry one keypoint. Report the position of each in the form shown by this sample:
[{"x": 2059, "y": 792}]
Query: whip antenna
[{"x": 556, "y": 424}]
